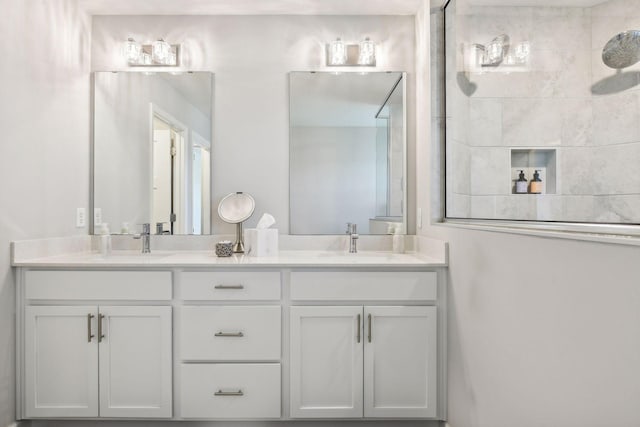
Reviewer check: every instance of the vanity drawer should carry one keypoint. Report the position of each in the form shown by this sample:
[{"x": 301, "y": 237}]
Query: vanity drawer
[
  {"x": 234, "y": 333},
  {"x": 230, "y": 391},
  {"x": 98, "y": 285},
  {"x": 368, "y": 286},
  {"x": 230, "y": 286}
]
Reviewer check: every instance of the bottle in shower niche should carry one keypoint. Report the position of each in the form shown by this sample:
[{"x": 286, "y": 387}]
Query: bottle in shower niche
[
  {"x": 521, "y": 184},
  {"x": 536, "y": 183}
]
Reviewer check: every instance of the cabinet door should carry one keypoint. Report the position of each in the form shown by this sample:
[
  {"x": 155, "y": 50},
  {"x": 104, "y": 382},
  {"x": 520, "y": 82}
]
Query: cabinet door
[
  {"x": 135, "y": 362},
  {"x": 400, "y": 362},
  {"x": 61, "y": 362},
  {"x": 326, "y": 362}
]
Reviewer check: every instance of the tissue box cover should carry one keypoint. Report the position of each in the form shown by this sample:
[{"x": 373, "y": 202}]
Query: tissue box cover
[{"x": 261, "y": 242}]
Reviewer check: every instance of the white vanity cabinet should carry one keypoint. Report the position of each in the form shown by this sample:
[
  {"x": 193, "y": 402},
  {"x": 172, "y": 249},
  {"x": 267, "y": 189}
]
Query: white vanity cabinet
[
  {"x": 101, "y": 360},
  {"x": 229, "y": 343},
  {"x": 60, "y": 362},
  {"x": 326, "y": 362},
  {"x": 400, "y": 362},
  {"x": 372, "y": 361}
]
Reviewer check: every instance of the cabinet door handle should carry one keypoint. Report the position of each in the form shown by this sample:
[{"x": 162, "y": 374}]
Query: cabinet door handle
[
  {"x": 358, "y": 327},
  {"x": 369, "y": 319},
  {"x": 229, "y": 334},
  {"x": 100, "y": 331},
  {"x": 228, "y": 287},
  {"x": 89, "y": 332},
  {"x": 228, "y": 393}
]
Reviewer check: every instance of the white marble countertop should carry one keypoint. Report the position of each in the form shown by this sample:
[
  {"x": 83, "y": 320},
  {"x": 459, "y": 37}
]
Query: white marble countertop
[{"x": 201, "y": 259}]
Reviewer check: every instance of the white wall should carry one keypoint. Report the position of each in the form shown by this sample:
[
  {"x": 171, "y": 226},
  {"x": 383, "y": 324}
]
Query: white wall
[
  {"x": 44, "y": 154},
  {"x": 251, "y": 57},
  {"x": 541, "y": 331}
]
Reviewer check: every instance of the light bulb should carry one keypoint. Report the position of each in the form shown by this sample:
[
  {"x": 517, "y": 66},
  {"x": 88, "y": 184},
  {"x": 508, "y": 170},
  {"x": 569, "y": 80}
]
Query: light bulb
[
  {"x": 161, "y": 50},
  {"x": 337, "y": 53},
  {"x": 367, "y": 54},
  {"x": 132, "y": 51}
]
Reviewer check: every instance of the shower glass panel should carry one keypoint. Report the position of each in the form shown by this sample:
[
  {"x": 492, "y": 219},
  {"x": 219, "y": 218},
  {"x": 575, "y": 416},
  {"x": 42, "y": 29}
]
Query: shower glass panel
[{"x": 547, "y": 93}]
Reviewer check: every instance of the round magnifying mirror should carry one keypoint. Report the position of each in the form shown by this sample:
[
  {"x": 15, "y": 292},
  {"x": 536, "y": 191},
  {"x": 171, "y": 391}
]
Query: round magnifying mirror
[{"x": 235, "y": 208}]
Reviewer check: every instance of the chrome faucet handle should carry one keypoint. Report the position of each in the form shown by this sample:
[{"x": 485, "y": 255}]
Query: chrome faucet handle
[
  {"x": 351, "y": 228},
  {"x": 146, "y": 231},
  {"x": 160, "y": 228}
]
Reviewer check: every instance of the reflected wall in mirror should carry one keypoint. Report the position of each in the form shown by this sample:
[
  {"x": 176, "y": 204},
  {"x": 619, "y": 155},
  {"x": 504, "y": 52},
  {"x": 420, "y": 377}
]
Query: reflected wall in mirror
[
  {"x": 152, "y": 151},
  {"x": 347, "y": 152}
]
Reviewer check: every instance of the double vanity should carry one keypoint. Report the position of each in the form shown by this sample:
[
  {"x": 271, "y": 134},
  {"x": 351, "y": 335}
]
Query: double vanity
[{"x": 188, "y": 336}]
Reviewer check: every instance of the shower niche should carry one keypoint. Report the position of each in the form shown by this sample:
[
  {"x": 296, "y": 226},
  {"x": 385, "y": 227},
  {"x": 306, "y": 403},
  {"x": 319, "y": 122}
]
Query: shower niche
[{"x": 530, "y": 160}]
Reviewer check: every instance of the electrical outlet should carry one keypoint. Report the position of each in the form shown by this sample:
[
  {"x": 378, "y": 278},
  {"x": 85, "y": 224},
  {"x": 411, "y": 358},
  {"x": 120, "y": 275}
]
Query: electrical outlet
[
  {"x": 97, "y": 216},
  {"x": 419, "y": 219},
  {"x": 81, "y": 217}
]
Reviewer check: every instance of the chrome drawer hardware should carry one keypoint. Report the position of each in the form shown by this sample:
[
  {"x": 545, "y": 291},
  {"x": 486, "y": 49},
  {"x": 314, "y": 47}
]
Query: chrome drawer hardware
[
  {"x": 229, "y": 334},
  {"x": 369, "y": 328},
  {"x": 229, "y": 287},
  {"x": 100, "y": 333},
  {"x": 358, "y": 328},
  {"x": 228, "y": 393},
  {"x": 89, "y": 334}
]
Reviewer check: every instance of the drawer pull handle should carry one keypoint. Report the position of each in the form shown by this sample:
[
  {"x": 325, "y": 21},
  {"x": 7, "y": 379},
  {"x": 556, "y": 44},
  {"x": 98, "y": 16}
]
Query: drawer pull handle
[
  {"x": 229, "y": 287},
  {"x": 100, "y": 332},
  {"x": 358, "y": 328},
  {"x": 228, "y": 393},
  {"x": 89, "y": 333},
  {"x": 229, "y": 334},
  {"x": 369, "y": 328}
]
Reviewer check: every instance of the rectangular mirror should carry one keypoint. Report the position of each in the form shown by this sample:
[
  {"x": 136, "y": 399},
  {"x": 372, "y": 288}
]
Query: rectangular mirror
[
  {"x": 152, "y": 151},
  {"x": 347, "y": 141}
]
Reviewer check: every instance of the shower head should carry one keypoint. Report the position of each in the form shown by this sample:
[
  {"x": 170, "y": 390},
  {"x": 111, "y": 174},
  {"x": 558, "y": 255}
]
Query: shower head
[{"x": 623, "y": 50}]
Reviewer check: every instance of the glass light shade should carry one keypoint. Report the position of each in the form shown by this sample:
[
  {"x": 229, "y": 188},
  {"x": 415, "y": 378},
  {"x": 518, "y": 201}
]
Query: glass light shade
[
  {"x": 337, "y": 53},
  {"x": 522, "y": 52},
  {"x": 494, "y": 52},
  {"x": 367, "y": 54},
  {"x": 132, "y": 50},
  {"x": 161, "y": 51}
]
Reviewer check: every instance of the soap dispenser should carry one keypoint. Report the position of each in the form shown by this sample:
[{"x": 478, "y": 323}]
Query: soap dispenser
[
  {"x": 105, "y": 239},
  {"x": 536, "y": 183},
  {"x": 398, "y": 239},
  {"x": 521, "y": 184}
]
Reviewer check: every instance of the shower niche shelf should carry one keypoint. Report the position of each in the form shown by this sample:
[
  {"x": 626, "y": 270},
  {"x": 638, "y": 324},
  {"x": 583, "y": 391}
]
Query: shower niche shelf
[{"x": 531, "y": 159}]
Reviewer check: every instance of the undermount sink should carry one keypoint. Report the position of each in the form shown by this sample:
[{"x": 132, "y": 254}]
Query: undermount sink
[
  {"x": 130, "y": 255},
  {"x": 344, "y": 254}
]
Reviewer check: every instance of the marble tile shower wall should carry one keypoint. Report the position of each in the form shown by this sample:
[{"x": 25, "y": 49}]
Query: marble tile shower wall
[{"x": 567, "y": 100}]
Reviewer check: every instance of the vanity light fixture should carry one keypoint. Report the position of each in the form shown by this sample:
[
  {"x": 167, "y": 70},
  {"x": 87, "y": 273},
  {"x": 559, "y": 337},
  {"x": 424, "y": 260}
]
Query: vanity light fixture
[
  {"x": 341, "y": 54},
  {"x": 500, "y": 54},
  {"x": 156, "y": 54}
]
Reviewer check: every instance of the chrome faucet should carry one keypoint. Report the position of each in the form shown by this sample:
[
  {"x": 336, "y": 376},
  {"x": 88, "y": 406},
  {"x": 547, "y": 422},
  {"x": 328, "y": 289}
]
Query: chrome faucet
[
  {"x": 352, "y": 231},
  {"x": 146, "y": 238}
]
